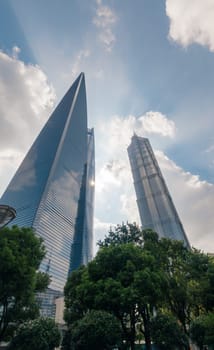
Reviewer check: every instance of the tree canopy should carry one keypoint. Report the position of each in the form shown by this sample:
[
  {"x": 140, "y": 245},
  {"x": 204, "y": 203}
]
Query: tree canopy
[
  {"x": 39, "y": 334},
  {"x": 20, "y": 255},
  {"x": 167, "y": 333},
  {"x": 136, "y": 275},
  {"x": 125, "y": 233},
  {"x": 96, "y": 330},
  {"x": 202, "y": 330}
]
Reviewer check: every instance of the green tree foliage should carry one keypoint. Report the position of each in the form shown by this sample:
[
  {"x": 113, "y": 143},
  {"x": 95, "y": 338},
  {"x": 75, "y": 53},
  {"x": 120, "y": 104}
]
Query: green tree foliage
[
  {"x": 20, "y": 255},
  {"x": 39, "y": 334},
  {"x": 202, "y": 330},
  {"x": 167, "y": 333},
  {"x": 197, "y": 333},
  {"x": 187, "y": 280},
  {"x": 207, "y": 285},
  {"x": 129, "y": 233},
  {"x": 121, "y": 280},
  {"x": 136, "y": 275},
  {"x": 96, "y": 330},
  {"x": 75, "y": 305},
  {"x": 42, "y": 281}
]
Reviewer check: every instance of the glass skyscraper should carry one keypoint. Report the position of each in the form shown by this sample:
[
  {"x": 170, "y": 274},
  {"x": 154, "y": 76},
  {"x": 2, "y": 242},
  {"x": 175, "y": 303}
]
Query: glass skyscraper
[
  {"x": 155, "y": 204},
  {"x": 53, "y": 189}
]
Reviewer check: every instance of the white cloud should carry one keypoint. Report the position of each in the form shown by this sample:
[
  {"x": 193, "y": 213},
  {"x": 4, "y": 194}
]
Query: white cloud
[
  {"x": 121, "y": 129},
  {"x": 191, "y": 22},
  {"x": 104, "y": 20},
  {"x": 16, "y": 50},
  {"x": 26, "y": 99},
  {"x": 99, "y": 225},
  {"x": 157, "y": 123},
  {"x": 101, "y": 230},
  {"x": 129, "y": 206},
  {"x": 107, "y": 176},
  {"x": 9, "y": 161}
]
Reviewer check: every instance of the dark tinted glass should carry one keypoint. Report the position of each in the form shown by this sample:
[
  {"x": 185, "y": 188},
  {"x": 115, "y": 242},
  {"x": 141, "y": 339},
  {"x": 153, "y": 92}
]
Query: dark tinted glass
[{"x": 51, "y": 183}]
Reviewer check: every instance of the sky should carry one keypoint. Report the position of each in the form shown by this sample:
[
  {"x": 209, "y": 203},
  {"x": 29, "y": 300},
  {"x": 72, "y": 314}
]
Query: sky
[{"x": 149, "y": 68}]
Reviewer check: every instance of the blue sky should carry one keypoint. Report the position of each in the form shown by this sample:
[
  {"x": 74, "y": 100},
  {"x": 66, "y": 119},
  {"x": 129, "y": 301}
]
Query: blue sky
[{"x": 149, "y": 67}]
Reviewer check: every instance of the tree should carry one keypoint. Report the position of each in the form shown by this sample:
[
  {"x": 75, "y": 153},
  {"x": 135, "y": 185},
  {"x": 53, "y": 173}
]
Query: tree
[
  {"x": 129, "y": 233},
  {"x": 76, "y": 307},
  {"x": 207, "y": 284},
  {"x": 39, "y": 334},
  {"x": 20, "y": 255},
  {"x": 197, "y": 333},
  {"x": 188, "y": 280},
  {"x": 201, "y": 330},
  {"x": 136, "y": 275},
  {"x": 121, "y": 280},
  {"x": 167, "y": 333},
  {"x": 209, "y": 327},
  {"x": 96, "y": 330}
]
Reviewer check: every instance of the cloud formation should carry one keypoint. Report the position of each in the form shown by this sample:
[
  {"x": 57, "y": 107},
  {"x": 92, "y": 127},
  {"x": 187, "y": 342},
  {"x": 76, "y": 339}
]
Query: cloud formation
[
  {"x": 157, "y": 123},
  {"x": 101, "y": 229},
  {"x": 105, "y": 20},
  {"x": 191, "y": 22},
  {"x": 110, "y": 175},
  {"x": 120, "y": 129},
  {"x": 26, "y": 99}
]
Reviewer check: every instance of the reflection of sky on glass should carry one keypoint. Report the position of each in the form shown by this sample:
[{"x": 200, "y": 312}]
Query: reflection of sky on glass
[
  {"x": 46, "y": 189},
  {"x": 26, "y": 176},
  {"x": 56, "y": 218},
  {"x": 89, "y": 210}
]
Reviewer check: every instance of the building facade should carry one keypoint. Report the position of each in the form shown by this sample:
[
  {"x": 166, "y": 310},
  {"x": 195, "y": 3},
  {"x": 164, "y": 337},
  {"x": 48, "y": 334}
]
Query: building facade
[
  {"x": 155, "y": 204},
  {"x": 53, "y": 189}
]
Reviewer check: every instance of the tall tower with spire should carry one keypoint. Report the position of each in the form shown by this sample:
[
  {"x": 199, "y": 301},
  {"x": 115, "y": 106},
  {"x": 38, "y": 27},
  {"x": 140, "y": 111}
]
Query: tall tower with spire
[
  {"x": 53, "y": 189},
  {"x": 155, "y": 204}
]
